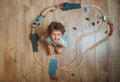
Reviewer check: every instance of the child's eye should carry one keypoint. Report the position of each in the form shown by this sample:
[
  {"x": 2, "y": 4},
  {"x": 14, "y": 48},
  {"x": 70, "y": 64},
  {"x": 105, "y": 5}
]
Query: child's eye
[{"x": 58, "y": 34}]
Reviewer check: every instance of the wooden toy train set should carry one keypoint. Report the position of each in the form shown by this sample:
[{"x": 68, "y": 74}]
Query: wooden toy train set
[{"x": 65, "y": 7}]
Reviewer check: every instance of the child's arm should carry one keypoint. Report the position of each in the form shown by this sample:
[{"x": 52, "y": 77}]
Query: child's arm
[
  {"x": 43, "y": 37},
  {"x": 62, "y": 43}
]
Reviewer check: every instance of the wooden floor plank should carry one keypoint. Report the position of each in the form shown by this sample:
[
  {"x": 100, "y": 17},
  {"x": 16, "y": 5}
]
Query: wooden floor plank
[{"x": 17, "y": 58}]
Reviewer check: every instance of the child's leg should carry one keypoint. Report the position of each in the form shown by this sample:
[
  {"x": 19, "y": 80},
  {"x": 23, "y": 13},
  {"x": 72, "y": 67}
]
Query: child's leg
[
  {"x": 50, "y": 49},
  {"x": 59, "y": 49}
]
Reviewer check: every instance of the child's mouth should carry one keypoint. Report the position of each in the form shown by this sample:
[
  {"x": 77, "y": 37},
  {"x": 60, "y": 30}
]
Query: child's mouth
[{"x": 56, "y": 40}]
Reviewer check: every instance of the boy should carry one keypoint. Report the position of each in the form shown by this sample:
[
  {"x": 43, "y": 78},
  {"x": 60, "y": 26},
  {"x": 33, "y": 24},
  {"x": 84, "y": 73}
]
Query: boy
[{"x": 55, "y": 38}]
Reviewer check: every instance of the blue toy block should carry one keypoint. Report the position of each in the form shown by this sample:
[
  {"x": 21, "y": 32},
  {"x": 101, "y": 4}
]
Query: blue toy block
[
  {"x": 36, "y": 23},
  {"x": 85, "y": 9},
  {"x": 69, "y": 6},
  {"x": 39, "y": 18},
  {"x": 34, "y": 39},
  {"x": 53, "y": 67}
]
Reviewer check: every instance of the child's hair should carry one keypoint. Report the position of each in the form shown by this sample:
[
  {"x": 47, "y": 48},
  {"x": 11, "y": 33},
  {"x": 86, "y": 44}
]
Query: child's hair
[{"x": 55, "y": 26}]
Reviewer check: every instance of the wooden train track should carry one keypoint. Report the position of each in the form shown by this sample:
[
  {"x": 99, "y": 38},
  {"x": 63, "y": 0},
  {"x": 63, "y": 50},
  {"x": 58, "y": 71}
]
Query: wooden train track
[{"x": 67, "y": 67}]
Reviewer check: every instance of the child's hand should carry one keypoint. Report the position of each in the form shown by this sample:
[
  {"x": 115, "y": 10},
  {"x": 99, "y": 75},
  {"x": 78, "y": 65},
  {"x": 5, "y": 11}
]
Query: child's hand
[{"x": 60, "y": 46}]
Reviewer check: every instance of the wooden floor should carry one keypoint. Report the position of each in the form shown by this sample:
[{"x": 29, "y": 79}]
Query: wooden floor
[{"x": 17, "y": 63}]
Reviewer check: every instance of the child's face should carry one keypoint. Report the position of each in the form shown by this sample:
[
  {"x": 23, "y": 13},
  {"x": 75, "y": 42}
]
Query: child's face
[{"x": 56, "y": 35}]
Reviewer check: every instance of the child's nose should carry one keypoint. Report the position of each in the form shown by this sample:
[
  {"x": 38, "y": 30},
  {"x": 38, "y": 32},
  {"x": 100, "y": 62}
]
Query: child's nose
[{"x": 56, "y": 36}]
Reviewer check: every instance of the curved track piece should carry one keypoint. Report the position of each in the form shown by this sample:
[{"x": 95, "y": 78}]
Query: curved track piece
[{"x": 67, "y": 67}]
